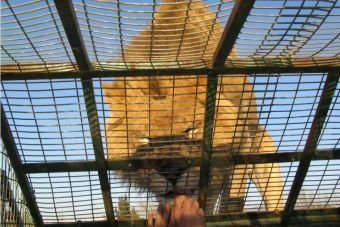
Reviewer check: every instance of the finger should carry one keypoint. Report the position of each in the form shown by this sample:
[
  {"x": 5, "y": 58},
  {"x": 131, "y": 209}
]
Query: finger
[
  {"x": 159, "y": 217},
  {"x": 167, "y": 209},
  {"x": 167, "y": 212},
  {"x": 187, "y": 204},
  {"x": 163, "y": 214},
  {"x": 150, "y": 220},
  {"x": 179, "y": 200},
  {"x": 200, "y": 212},
  {"x": 199, "y": 220},
  {"x": 195, "y": 206},
  {"x": 176, "y": 215},
  {"x": 172, "y": 222}
]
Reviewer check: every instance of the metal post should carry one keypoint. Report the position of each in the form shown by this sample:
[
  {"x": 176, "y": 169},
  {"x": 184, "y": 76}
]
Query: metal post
[
  {"x": 233, "y": 27},
  {"x": 69, "y": 20}
]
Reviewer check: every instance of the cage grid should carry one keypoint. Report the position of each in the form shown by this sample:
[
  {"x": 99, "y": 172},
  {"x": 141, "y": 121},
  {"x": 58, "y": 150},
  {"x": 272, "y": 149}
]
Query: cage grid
[
  {"x": 105, "y": 104},
  {"x": 13, "y": 208}
]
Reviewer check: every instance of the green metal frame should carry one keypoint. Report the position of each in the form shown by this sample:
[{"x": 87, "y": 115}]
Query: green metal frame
[
  {"x": 237, "y": 159},
  {"x": 241, "y": 10},
  {"x": 318, "y": 217},
  {"x": 69, "y": 20},
  {"x": 232, "y": 29},
  {"x": 178, "y": 71}
]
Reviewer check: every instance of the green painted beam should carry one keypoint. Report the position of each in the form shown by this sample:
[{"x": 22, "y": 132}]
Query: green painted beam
[
  {"x": 237, "y": 159},
  {"x": 207, "y": 139},
  {"x": 70, "y": 23},
  {"x": 311, "y": 144},
  {"x": 5, "y": 76},
  {"x": 233, "y": 27},
  {"x": 318, "y": 217},
  {"x": 93, "y": 119},
  {"x": 231, "y": 31}
]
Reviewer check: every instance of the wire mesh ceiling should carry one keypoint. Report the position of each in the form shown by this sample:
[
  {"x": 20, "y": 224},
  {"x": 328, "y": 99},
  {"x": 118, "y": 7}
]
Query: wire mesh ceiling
[
  {"x": 276, "y": 33},
  {"x": 112, "y": 107}
]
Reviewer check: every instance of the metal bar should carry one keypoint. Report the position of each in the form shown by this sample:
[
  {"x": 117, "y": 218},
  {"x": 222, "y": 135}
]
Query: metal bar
[
  {"x": 81, "y": 224},
  {"x": 5, "y": 76},
  {"x": 237, "y": 159},
  {"x": 311, "y": 144},
  {"x": 207, "y": 138},
  {"x": 233, "y": 27},
  {"x": 299, "y": 217},
  {"x": 93, "y": 119},
  {"x": 69, "y": 20},
  {"x": 70, "y": 23},
  {"x": 51, "y": 167},
  {"x": 17, "y": 165}
]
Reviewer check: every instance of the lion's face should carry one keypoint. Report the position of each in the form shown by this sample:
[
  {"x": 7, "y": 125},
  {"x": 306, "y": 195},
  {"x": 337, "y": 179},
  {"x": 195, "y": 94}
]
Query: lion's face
[
  {"x": 167, "y": 177},
  {"x": 160, "y": 120},
  {"x": 163, "y": 116},
  {"x": 154, "y": 121}
]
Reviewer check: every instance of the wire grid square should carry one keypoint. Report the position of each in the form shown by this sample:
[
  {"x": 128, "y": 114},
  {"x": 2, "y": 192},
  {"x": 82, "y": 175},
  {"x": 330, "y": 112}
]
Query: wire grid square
[
  {"x": 321, "y": 186},
  {"x": 68, "y": 196},
  {"x": 143, "y": 201},
  {"x": 128, "y": 116},
  {"x": 12, "y": 203},
  {"x": 288, "y": 171},
  {"x": 33, "y": 39},
  {"x": 285, "y": 106},
  {"x": 280, "y": 32},
  {"x": 110, "y": 30},
  {"x": 48, "y": 119},
  {"x": 253, "y": 200},
  {"x": 290, "y": 30}
]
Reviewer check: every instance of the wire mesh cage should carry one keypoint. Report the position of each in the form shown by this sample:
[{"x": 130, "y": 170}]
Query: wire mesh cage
[
  {"x": 14, "y": 211},
  {"x": 110, "y": 108}
]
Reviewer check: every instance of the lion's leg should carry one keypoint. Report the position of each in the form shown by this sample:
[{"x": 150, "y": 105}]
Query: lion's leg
[
  {"x": 238, "y": 184},
  {"x": 267, "y": 178},
  {"x": 215, "y": 189}
]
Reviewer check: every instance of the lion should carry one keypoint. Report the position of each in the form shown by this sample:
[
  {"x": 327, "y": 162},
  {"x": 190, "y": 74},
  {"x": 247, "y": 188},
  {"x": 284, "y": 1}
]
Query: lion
[{"x": 163, "y": 116}]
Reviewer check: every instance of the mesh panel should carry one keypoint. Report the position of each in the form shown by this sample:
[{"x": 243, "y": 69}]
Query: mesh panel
[
  {"x": 49, "y": 120},
  {"x": 68, "y": 197},
  {"x": 116, "y": 142},
  {"x": 14, "y": 211}
]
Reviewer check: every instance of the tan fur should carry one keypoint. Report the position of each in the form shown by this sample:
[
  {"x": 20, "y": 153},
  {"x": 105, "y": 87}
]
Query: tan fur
[{"x": 152, "y": 107}]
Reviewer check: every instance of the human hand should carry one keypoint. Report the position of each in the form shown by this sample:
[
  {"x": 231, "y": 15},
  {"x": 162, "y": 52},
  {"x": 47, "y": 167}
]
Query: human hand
[
  {"x": 161, "y": 218},
  {"x": 186, "y": 213}
]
